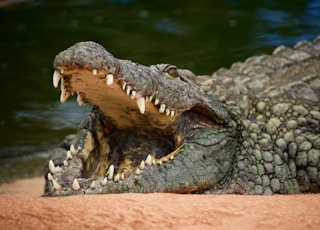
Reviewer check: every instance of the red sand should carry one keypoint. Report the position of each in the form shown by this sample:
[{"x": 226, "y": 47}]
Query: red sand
[{"x": 21, "y": 207}]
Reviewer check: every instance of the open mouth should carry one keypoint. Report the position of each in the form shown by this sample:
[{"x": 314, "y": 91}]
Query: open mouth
[{"x": 135, "y": 124}]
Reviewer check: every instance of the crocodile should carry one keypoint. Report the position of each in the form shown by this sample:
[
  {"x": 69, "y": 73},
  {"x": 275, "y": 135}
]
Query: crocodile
[{"x": 250, "y": 129}]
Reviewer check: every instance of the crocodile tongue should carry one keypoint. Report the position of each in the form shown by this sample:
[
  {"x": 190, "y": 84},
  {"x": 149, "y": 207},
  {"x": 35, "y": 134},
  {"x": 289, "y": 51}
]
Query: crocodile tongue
[{"x": 119, "y": 101}]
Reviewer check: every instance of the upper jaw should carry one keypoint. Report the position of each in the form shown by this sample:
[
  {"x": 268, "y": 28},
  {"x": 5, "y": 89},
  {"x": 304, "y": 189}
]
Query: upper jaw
[
  {"x": 125, "y": 104},
  {"x": 72, "y": 78}
]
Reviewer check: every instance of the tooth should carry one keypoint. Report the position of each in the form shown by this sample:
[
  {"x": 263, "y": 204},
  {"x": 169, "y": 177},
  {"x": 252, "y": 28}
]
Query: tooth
[
  {"x": 110, "y": 172},
  {"x": 94, "y": 72},
  {"x": 133, "y": 94},
  {"x": 109, "y": 79},
  {"x": 137, "y": 172},
  {"x": 52, "y": 168},
  {"x": 141, "y": 102},
  {"x": 50, "y": 177},
  {"x": 59, "y": 169},
  {"x": 56, "y": 78},
  {"x": 64, "y": 96},
  {"x": 156, "y": 101},
  {"x": 142, "y": 165},
  {"x": 80, "y": 100},
  {"x": 150, "y": 97},
  {"x": 116, "y": 178},
  {"x": 69, "y": 155},
  {"x": 64, "y": 92},
  {"x": 128, "y": 90},
  {"x": 124, "y": 85},
  {"x": 122, "y": 176},
  {"x": 56, "y": 185},
  {"x": 167, "y": 111},
  {"x": 172, "y": 113},
  {"x": 72, "y": 149},
  {"x": 62, "y": 86},
  {"x": 61, "y": 71},
  {"x": 93, "y": 185},
  {"x": 104, "y": 182},
  {"x": 153, "y": 161},
  {"x": 162, "y": 108},
  {"x": 149, "y": 160},
  {"x": 65, "y": 163},
  {"x": 171, "y": 157},
  {"x": 75, "y": 185}
]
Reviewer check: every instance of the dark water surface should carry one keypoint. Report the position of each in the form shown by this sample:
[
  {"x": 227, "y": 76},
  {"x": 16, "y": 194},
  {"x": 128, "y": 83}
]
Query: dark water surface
[{"x": 199, "y": 35}]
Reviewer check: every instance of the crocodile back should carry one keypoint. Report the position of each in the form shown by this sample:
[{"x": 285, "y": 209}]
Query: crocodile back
[{"x": 292, "y": 73}]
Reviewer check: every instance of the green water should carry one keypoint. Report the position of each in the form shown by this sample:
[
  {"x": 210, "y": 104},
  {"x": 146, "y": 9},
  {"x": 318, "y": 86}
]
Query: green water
[{"x": 199, "y": 35}]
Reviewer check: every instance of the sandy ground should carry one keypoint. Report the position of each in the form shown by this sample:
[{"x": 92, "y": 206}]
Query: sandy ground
[{"x": 21, "y": 207}]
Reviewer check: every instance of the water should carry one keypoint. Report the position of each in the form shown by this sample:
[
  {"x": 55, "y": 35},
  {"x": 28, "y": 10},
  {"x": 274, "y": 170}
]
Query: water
[{"x": 199, "y": 35}]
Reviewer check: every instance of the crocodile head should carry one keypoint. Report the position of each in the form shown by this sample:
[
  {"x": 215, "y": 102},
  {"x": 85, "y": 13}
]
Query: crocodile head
[
  {"x": 122, "y": 89},
  {"x": 152, "y": 129}
]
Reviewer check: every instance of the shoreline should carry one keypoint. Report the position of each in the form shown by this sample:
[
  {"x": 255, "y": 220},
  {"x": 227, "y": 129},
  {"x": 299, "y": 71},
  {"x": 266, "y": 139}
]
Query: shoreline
[{"x": 21, "y": 206}]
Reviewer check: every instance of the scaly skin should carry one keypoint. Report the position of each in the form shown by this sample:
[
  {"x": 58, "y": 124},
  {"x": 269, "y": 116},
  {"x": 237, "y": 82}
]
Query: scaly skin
[{"x": 253, "y": 129}]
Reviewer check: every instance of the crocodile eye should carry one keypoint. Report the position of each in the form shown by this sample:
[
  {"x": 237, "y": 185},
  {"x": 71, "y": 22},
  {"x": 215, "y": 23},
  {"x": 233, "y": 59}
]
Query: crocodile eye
[{"x": 171, "y": 70}]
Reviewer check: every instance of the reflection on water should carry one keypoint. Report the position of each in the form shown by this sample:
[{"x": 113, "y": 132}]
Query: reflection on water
[{"x": 200, "y": 35}]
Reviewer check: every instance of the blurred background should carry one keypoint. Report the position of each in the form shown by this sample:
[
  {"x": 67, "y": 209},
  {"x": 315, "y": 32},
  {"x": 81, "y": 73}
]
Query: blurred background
[{"x": 202, "y": 35}]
